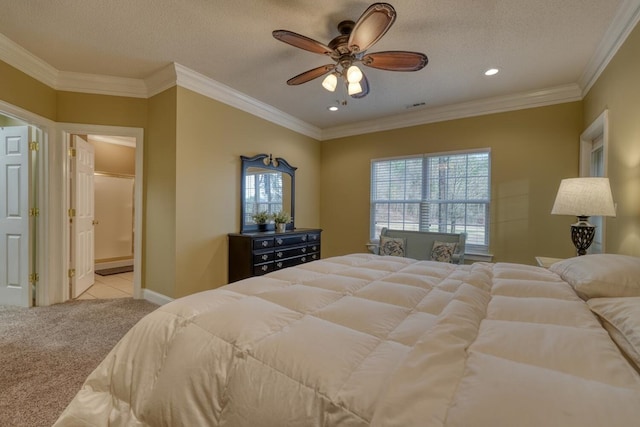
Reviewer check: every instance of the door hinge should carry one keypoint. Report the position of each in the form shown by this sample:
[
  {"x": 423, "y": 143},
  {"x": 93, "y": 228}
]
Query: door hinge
[
  {"x": 34, "y": 212},
  {"x": 72, "y": 272},
  {"x": 34, "y": 146},
  {"x": 72, "y": 212},
  {"x": 34, "y": 277},
  {"x": 72, "y": 152}
]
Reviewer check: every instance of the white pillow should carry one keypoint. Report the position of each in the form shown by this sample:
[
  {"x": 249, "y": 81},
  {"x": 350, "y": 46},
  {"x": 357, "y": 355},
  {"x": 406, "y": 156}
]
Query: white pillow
[
  {"x": 602, "y": 275},
  {"x": 621, "y": 318}
]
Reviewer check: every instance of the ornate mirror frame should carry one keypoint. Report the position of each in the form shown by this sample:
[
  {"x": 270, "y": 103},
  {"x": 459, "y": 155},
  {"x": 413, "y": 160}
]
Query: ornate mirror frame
[{"x": 269, "y": 164}]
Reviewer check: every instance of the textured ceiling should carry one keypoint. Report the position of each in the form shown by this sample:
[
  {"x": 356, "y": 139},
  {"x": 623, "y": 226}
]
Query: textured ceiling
[{"x": 536, "y": 44}]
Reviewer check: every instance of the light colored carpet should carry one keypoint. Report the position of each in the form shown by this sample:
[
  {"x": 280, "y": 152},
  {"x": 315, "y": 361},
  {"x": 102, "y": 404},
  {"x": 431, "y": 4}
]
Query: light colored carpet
[{"x": 46, "y": 353}]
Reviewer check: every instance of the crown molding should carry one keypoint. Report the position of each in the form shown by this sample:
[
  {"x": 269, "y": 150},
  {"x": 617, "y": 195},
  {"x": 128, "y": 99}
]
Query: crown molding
[
  {"x": 624, "y": 21},
  {"x": 205, "y": 86},
  {"x": 101, "y": 85},
  {"x": 161, "y": 80},
  {"x": 532, "y": 99},
  {"x": 20, "y": 58}
]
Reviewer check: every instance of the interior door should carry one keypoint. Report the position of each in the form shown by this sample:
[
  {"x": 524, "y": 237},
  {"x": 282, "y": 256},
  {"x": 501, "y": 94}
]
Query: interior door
[
  {"x": 14, "y": 216},
  {"x": 82, "y": 232}
]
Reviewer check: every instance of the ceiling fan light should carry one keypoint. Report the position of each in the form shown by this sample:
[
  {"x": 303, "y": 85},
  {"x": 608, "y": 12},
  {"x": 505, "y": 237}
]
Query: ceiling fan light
[
  {"x": 354, "y": 75},
  {"x": 330, "y": 82},
  {"x": 354, "y": 88}
]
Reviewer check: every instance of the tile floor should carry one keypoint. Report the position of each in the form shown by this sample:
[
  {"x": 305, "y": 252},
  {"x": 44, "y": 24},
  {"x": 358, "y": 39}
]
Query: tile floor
[{"x": 113, "y": 286}]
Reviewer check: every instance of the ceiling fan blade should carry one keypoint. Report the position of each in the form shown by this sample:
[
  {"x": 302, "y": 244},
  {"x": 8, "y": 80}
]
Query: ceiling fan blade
[
  {"x": 364, "y": 83},
  {"x": 397, "y": 60},
  {"x": 302, "y": 42},
  {"x": 311, "y": 74},
  {"x": 371, "y": 26}
]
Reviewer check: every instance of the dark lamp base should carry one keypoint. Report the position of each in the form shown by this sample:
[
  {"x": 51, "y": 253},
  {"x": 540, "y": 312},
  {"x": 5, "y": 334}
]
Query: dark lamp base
[{"x": 582, "y": 233}]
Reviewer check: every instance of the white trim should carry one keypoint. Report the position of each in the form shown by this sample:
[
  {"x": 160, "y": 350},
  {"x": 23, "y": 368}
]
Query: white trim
[
  {"x": 478, "y": 256},
  {"x": 600, "y": 126},
  {"x": 102, "y": 85},
  {"x": 537, "y": 98},
  {"x": 155, "y": 297},
  {"x": 20, "y": 58},
  {"x": 65, "y": 130},
  {"x": 210, "y": 88},
  {"x": 46, "y": 267},
  {"x": 624, "y": 21},
  {"x": 438, "y": 154},
  {"x": 161, "y": 80}
]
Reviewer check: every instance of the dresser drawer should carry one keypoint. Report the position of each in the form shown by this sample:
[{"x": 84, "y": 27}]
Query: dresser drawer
[
  {"x": 261, "y": 269},
  {"x": 313, "y": 248},
  {"x": 285, "y": 253},
  {"x": 260, "y": 257},
  {"x": 263, "y": 243},
  {"x": 313, "y": 237},
  {"x": 290, "y": 262},
  {"x": 296, "y": 239}
]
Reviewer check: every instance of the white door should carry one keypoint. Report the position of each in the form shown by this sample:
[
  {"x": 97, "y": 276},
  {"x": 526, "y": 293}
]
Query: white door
[
  {"x": 14, "y": 216},
  {"x": 82, "y": 223}
]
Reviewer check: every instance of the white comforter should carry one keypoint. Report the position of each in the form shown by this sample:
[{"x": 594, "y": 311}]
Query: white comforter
[{"x": 365, "y": 340}]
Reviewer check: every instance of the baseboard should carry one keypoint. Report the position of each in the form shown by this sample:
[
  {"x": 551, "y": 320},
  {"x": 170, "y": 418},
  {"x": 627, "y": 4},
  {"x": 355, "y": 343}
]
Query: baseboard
[{"x": 155, "y": 297}]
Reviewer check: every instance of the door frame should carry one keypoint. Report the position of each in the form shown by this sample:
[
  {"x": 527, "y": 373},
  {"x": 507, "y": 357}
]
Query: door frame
[
  {"x": 65, "y": 130},
  {"x": 43, "y": 183}
]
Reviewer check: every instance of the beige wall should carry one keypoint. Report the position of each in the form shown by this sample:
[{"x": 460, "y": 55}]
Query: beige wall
[
  {"x": 159, "y": 216},
  {"x": 531, "y": 151},
  {"x": 19, "y": 89},
  {"x": 114, "y": 158},
  {"x": 211, "y": 138},
  {"x": 106, "y": 110},
  {"x": 618, "y": 90}
]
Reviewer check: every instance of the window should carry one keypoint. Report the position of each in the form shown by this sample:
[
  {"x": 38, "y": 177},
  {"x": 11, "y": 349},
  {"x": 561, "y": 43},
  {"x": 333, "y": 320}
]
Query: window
[
  {"x": 593, "y": 162},
  {"x": 447, "y": 193},
  {"x": 263, "y": 193}
]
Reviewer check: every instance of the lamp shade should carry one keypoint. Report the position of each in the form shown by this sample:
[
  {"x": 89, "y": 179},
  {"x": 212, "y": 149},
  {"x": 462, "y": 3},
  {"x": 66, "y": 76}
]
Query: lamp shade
[
  {"x": 584, "y": 197},
  {"x": 330, "y": 82}
]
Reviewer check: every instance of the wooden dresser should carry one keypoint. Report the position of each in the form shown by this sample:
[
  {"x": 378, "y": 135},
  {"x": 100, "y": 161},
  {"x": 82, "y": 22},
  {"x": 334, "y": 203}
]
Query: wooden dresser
[{"x": 255, "y": 254}]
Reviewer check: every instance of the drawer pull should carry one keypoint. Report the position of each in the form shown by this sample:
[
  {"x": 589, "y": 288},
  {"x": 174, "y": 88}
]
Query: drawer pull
[
  {"x": 279, "y": 265},
  {"x": 265, "y": 257},
  {"x": 304, "y": 238},
  {"x": 304, "y": 250},
  {"x": 279, "y": 241},
  {"x": 279, "y": 254},
  {"x": 265, "y": 267},
  {"x": 265, "y": 243},
  {"x": 304, "y": 259},
  {"x": 314, "y": 256},
  {"x": 314, "y": 248}
]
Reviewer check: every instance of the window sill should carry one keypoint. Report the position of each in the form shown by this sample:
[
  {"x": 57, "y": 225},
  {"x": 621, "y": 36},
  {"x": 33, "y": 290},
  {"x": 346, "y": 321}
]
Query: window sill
[{"x": 478, "y": 256}]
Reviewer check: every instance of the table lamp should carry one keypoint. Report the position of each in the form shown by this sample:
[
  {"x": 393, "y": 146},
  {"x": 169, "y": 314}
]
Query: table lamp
[{"x": 584, "y": 197}]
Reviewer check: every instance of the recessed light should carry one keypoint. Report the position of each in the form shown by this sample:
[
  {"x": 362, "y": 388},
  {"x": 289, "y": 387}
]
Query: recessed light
[
  {"x": 332, "y": 108},
  {"x": 491, "y": 72}
]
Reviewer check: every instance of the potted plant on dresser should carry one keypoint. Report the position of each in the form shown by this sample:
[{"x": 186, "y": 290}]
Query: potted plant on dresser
[
  {"x": 261, "y": 219},
  {"x": 281, "y": 219}
]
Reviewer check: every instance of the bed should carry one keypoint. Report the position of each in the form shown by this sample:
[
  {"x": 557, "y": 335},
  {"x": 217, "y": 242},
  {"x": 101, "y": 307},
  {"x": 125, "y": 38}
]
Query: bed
[{"x": 368, "y": 340}]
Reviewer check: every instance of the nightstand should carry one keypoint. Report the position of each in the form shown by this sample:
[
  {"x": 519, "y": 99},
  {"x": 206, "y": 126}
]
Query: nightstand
[{"x": 546, "y": 262}]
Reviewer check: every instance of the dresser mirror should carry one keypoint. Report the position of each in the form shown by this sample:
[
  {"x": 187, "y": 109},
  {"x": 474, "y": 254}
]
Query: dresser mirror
[{"x": 267, "y": 184}]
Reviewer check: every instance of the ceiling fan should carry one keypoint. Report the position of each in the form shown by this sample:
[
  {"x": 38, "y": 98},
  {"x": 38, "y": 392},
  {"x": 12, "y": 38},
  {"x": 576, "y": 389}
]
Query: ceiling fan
[{"x": 349, "y": 49}]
